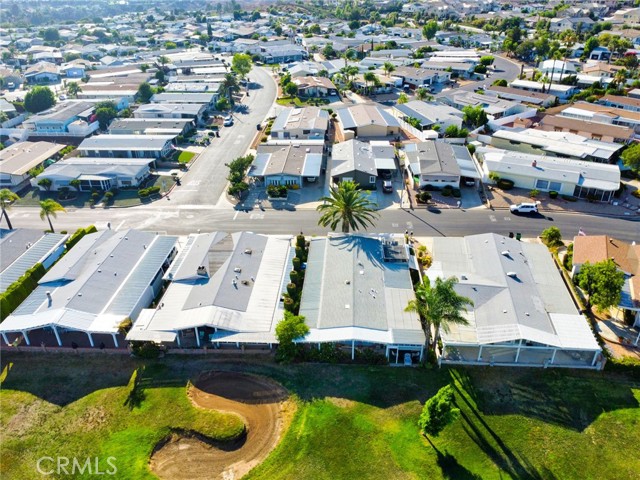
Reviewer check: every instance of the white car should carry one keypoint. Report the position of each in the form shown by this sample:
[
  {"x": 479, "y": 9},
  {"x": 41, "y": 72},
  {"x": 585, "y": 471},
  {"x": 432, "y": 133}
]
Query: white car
[
  {"x": 228, "y": 121},
  {"x": 524, "y": 208}
]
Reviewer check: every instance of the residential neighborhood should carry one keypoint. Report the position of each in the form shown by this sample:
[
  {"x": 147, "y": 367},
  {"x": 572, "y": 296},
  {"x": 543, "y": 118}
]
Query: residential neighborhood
[{"x": 235, "y": 236}]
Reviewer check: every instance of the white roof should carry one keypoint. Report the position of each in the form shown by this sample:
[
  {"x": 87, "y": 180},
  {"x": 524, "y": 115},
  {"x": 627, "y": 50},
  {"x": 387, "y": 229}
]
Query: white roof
[{"x": 240, "y": 291}]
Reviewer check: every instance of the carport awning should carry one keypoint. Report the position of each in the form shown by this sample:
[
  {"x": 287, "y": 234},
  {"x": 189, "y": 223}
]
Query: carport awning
[
  {"x": 151, "y": 336},
  {"x": 385, "y": 164},
  {"x": 468, "y": 169},
  {"x": 312, "y": 165}
]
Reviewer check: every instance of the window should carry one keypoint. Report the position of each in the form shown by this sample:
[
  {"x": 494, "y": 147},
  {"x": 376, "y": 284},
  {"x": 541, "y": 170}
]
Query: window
[
  {"x": 372, "y": 179},
  {"x": 555, "y": 186},
  {"x": 542, "y": 184}
]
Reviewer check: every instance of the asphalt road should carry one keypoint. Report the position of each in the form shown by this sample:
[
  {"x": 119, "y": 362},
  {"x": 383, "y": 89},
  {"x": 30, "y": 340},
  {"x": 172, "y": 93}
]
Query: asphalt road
[
  {"x": 205, "y": 181},
  {"x": 166, "y": 216}
]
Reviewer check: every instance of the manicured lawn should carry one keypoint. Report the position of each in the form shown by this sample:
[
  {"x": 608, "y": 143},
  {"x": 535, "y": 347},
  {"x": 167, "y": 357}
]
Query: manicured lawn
[
  {"x": 300, "y": 102},
  {"x": 185, "y": 156},
  {"x": 352, "y": 422}
]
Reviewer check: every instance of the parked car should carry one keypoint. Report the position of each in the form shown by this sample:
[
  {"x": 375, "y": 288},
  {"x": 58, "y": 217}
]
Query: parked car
[
  {"x": 387, "y": 186},
  {"x": 468, "y": 181},
  {"x": 524, "y": 208},
  {"x": 228, "y": 121}
]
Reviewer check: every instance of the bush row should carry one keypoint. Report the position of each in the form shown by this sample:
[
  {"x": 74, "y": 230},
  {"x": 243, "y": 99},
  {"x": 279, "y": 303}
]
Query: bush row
[
  {"x": 81, "y": 232},
  {"x": 147, "y": 192},
  {"x": 19, "y": 290}
]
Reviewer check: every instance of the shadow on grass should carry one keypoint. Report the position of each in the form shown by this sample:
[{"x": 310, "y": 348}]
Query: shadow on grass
[
  {"x": 451, "y": 469},
  {"x": 570, "y": 399}
]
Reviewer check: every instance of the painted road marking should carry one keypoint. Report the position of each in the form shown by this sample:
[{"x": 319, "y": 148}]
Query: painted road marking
[
  {"x": 395, "y": 225},
  {"x": 507, "y": 219},
  {"x": 256, "y": 216},
  {"x": 236, "y": 215},
  {"x": 493, "y": 218}
]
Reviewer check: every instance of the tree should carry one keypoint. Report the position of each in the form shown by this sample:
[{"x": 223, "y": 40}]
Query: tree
[
  {"x": 289, "y": 329},
  {"x": 290, "y": 89},
  {"x": 45, "y": 183},
  {"x": 402, "y": 98},
  {"x": 241, "y": 64},
  {"x": 7, "y": 197},
  {"x": 49, "y": 208},
  {"x": 475, "y": 116},
  {"x": 347, "y": 206},
  {"x": 105, "y": 112},
  {"x": 329, "y": 52},
  {"x": 631, "y": 157},
  {"x": 369, "y": 79},
  {"x": 430, "y": 29},
  {"x": 602, "y": 283},
  {"x": 452, "y": 131},
  {"x": 229, "y": 85},
  {"x": 438, "y": 412},
  {"x": 500, "y": 82},
  {"x": 388, "y": 67},
  {"x": 487, "y": 60},
  {"x": 349, "y": 54},
  {"x": 51, "y": 35},
  {"x": 39, "y": 99},
  {"x": 73, "y": 89},
  {"x": 591, "y": 44},
  {"x": 422, "y": 93},
  {"x": 438, "y": 307},
  {"x": 552, "y": 237},
  {"x": 145, "y": 92},
  {"x": 75, "y": 183}
]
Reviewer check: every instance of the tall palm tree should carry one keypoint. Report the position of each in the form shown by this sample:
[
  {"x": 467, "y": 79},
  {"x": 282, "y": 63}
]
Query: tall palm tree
[
  {"x": 388, "y": 67},
  {"x": 229, "y": 85},
  {"x": 6, "y": 198},
  {"x": 49, "y": 208},
  {"x": 420, "y": 305},
  {"x": 450, "y": 306},
  {"x": 439, "y": 306},
  {"x": 369, "y": 79},
  {"x": 347, "y": 206}
]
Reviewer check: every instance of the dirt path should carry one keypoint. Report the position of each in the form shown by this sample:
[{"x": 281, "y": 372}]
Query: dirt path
[{"x": 257, "y": 400}]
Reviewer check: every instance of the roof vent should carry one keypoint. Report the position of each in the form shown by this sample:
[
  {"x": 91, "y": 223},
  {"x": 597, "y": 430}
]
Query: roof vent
[
  {"x": 248, "y": 251},
  {"x": 506, "y": 253},
  {"x": 463, "y": 277},
  {"x": 347, "y": 282},
  {"x": 237, "y": 269},
  {"x": 512, "y": 274}
]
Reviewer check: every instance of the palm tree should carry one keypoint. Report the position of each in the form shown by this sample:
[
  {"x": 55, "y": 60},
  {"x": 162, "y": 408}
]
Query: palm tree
[
  {"x": 402, "y": 98},
  {"x": 6, "y": 198},
  {"x": 347, "y": 206},
  {"x": 349, "y": 54},
  {"x": 439, "y": 307},
  {"x": 420, "y": 305},
  {"x": 422, "y": 93},
  {"x": 450, "y": 307},
  {"x": 388, "y": 67},
  {"x": 229, "y": 85},
  {"x": 163, "y": 60},
  {"x": 49, "y": 208},
  {"x": 73, "y": 89},
  {"x": 369, "y": 79}
]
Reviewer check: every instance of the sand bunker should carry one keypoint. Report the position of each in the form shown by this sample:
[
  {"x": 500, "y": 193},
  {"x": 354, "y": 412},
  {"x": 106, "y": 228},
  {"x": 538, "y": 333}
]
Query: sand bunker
[{"x": 257, "y": 400}]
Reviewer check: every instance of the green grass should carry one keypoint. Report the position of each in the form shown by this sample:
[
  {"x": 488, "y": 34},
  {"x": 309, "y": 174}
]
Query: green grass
[
  {"x": 185, "y": 156},
  {"x": 351, "y": 421},
  {"x": 300, "y": 102}
]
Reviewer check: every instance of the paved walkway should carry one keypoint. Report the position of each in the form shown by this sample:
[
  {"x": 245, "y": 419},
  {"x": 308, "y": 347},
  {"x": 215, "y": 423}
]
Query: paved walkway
[{"x": 626, "y": 205}]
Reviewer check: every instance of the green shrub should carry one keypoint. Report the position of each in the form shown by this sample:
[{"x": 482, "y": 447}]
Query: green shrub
[
  {"x": 143, "y": 192},
  {"x": 18, "y": 291},
  {"x": 569, "y": 198},
  {"x": 77, "y": 236},
  {"x": 423, "y": 197},
  {"x": 553, "y": 194},
  {"x": 456, "y": 193},
  {"x": 505, "y": 184},
  {"x": 153, "y": 190},
  {"x": 446, "y": 193},
  {"x": 534, "y": 193},
  {"x": 145, "y": 349},
  {"x": 636, "y": 193}
]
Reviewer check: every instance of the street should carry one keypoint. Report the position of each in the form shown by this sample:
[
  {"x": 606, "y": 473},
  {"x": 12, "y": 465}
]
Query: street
[{"x": 166, "y": 216}]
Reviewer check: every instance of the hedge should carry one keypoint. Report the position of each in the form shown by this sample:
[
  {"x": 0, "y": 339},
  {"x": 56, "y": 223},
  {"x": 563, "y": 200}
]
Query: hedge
[
  {"x": 505, "y": 184},
  {"x": 146, "y": 192},
  {"x": 19, "y": 290},
  {"x": 81, "y": 232}
]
